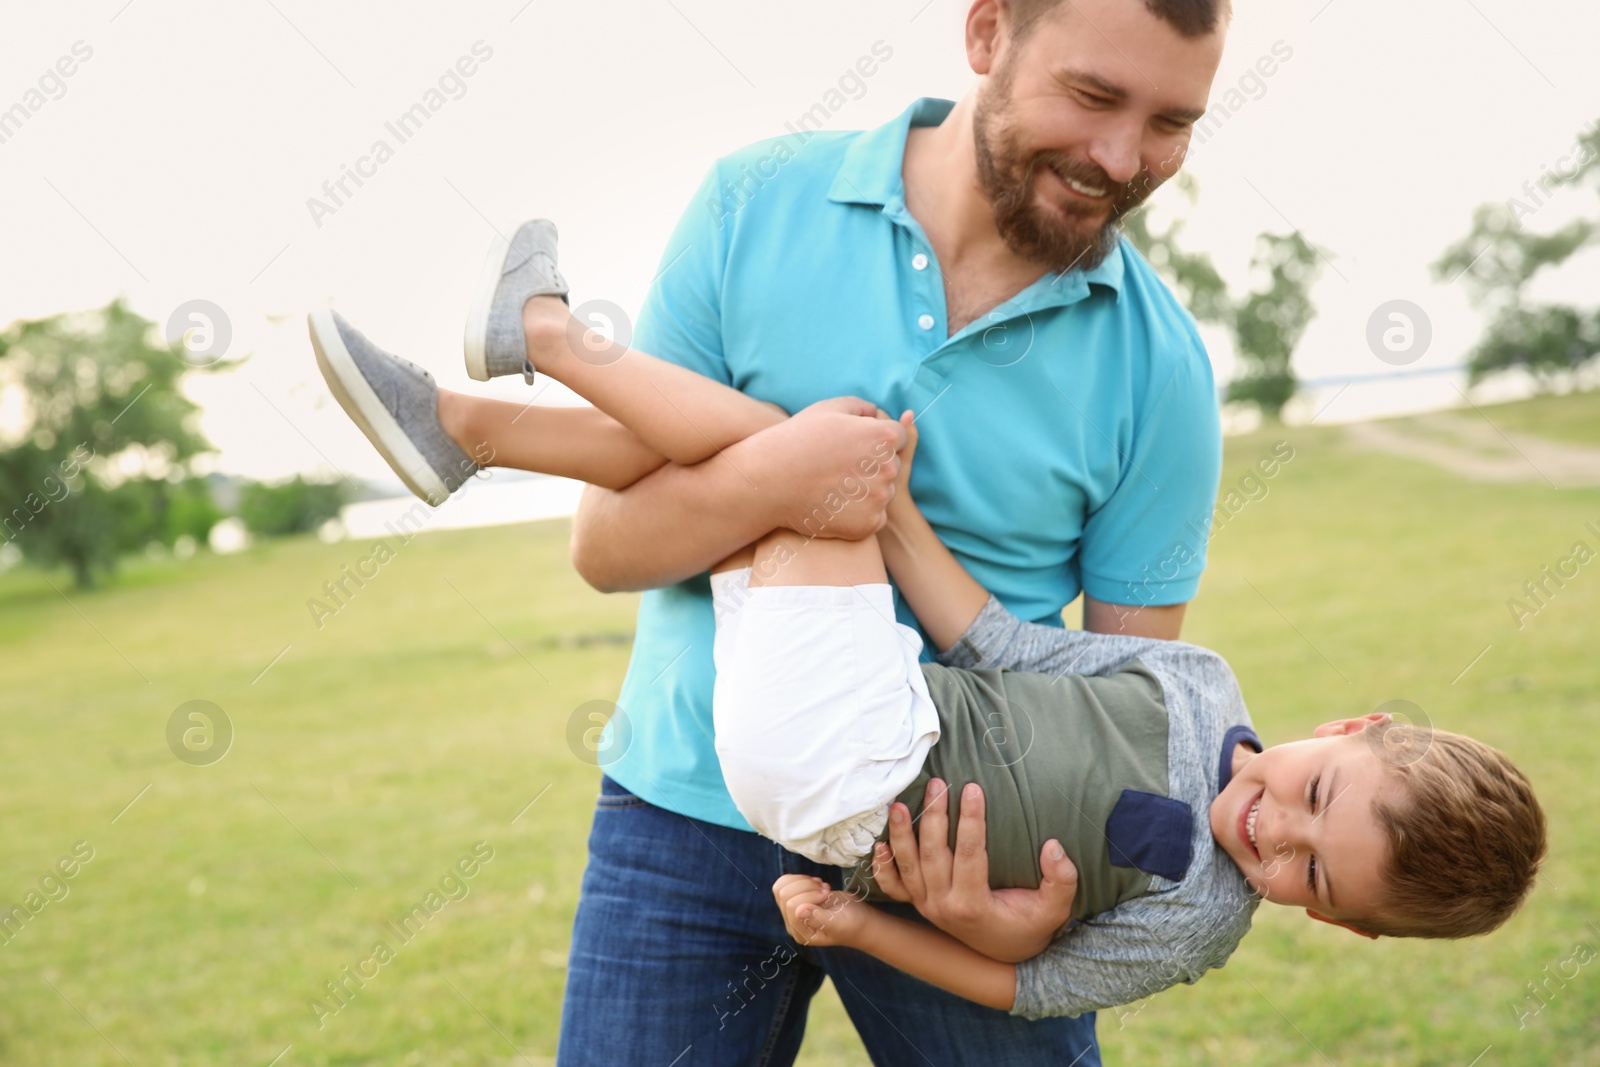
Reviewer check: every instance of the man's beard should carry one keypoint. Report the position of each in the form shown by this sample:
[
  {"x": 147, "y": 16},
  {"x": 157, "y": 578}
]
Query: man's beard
[{"x": 1008, "y": 181}]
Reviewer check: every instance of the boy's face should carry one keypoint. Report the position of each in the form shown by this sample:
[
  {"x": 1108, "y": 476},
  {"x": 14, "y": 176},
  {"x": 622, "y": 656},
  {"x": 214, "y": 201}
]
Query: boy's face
[{"x": 1308, "y": 807}]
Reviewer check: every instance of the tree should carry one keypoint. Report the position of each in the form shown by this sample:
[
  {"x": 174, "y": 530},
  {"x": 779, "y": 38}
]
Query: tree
[
  {"x": 295, "y": 506},
  {"x": 1266, "y": 325},
  {"x": 1269, "y": 323},
  {"x": 1498, "y": 259},
  {"x": 98, "y": 465},
  {"x": 1197, "y": 284}
]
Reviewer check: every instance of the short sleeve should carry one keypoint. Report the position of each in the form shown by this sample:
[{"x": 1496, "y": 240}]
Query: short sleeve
[
  {"x": 681, "y": 319},
  {"x": 1146, "y": 544}
]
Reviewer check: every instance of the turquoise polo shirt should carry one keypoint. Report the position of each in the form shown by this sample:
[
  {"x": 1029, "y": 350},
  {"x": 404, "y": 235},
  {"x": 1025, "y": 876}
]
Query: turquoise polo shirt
[{"x": 1069, "y": 439}]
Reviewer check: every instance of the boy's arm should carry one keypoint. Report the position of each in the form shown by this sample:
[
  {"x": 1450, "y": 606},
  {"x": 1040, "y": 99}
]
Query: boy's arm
[
  {"x": 820, "y": 917},
  {"x": 943, "y": 596},
  {"x": 968, "y": 626}
]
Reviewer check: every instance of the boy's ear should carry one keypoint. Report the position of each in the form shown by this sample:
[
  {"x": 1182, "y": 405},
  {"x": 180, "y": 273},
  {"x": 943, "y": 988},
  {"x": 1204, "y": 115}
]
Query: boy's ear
[
  {"x": 1341, "y": 727},
  {"x": 1336, "y": 922}
]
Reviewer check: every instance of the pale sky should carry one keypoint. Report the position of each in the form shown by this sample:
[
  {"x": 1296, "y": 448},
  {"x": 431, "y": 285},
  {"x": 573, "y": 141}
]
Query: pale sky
[{"x": 178, "y": 161}]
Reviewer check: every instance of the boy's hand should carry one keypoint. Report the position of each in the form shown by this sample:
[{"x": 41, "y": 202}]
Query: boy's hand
[
  {"x": 902, "y": 482},
  {"x": 832, "y": 448},
  {"x": 818, "y": 915}
]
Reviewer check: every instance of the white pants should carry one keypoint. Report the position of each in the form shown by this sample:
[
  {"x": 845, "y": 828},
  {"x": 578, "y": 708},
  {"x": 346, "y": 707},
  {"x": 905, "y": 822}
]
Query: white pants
[{"x": 821, "y": 712}]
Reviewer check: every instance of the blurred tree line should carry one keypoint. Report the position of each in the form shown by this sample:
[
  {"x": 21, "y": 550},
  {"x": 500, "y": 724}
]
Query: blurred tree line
[
  {"x": 1267, "y": 322},
  {"x": 1497, "y": 261},
  {"x": 98, "y": 445}
]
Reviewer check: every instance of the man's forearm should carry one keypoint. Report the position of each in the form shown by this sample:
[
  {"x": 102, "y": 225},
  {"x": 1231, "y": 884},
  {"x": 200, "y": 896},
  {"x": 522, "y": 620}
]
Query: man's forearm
[{"x": 670, "y": 525}]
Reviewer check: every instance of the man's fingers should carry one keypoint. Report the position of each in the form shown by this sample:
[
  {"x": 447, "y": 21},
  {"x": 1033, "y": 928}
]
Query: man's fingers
[
  {"x": 904, "y": 843},
  {"x": 933, "y": 839},
  {"x": 887, "y": 874},
  {"x": 1059, "y": 887},
  {"x": 970, "y": 874}
]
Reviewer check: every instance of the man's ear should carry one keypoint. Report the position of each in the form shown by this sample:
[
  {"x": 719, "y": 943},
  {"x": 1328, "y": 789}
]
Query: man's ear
[
  {"x": 1336, "y": 922},
  {"x": 1341, "y": 727},
  {"x": 983, "y": 34}
]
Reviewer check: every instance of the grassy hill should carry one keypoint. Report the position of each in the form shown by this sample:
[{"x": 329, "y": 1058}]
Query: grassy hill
[{"x": 373, "y": 751}]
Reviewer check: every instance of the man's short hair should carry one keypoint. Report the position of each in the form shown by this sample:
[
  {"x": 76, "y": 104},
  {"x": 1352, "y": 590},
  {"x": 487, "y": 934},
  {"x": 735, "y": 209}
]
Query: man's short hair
[
  {"x": 1191, "y": 18},
  {"x": 1466, "y": 836}
]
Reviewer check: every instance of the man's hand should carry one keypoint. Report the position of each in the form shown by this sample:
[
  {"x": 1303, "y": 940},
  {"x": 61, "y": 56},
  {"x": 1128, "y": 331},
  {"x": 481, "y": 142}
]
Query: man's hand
[
  {"x": 818, "y": 915},
  {"x": 951, "y": 890},
  {"x": 831, "y": 468}
]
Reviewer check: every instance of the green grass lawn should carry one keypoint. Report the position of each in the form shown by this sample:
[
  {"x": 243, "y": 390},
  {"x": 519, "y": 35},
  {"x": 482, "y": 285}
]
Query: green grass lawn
[{"x": 432, "y": 709}]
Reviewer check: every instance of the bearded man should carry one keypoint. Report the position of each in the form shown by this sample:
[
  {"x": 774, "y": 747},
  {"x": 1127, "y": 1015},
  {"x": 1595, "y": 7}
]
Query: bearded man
[{"x": 963, "y": 261}]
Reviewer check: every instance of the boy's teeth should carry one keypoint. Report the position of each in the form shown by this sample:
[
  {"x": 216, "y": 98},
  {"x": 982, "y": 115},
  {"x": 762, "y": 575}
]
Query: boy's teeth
[{"x": 1250, "y": 824}]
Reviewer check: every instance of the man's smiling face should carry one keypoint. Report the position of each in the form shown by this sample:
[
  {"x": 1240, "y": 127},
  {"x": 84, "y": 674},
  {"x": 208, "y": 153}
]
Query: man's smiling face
[
  {"x": 1082, "y": 120},
  {"x": 1298, "y": 820}
]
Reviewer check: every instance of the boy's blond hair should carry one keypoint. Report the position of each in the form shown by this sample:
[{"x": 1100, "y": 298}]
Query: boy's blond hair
[{"x": 1465, "y": 839}]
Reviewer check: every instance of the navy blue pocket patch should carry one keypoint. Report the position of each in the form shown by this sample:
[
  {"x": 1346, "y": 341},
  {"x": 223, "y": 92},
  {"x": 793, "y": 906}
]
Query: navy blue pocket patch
[{"x": 1151, "y": 833}]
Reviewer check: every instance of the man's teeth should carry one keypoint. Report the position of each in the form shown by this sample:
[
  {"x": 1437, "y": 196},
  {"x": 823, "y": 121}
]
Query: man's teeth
[
  {"x": 1250, "y": 824},
  {"x": 1086, "y": 190}
]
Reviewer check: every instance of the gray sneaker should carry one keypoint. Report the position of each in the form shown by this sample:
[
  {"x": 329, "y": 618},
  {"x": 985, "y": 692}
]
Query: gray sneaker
[
  {"x": 514, "y": 272},
  {"x": 395, "y": 403}
]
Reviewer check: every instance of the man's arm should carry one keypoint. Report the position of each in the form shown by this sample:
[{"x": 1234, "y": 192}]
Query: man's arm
[
  {"x": 1163, "y": 621},
  {"x": 678, "y": 521},
  {"x": 670, "y": 525}
]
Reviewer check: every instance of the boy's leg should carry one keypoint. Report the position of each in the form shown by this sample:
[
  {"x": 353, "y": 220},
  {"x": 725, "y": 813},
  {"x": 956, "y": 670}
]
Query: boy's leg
[
  {"x": 435, "y": 439},
  {"x": 685, "y": 416},
  {"x": 572, "y": 442},
  {"x": 821, "y": 712},
  {"x": 784, "y": 557}
]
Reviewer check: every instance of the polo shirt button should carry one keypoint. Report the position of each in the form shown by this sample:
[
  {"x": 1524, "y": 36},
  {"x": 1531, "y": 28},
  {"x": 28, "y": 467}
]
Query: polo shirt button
[
  {"x": 919, "y": 261},
  {"x": 925, "y": 321}
]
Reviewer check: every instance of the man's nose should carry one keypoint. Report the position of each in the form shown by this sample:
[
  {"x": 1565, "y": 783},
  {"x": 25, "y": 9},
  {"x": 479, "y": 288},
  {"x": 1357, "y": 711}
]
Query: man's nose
[{"x": 1116, "y": 151}]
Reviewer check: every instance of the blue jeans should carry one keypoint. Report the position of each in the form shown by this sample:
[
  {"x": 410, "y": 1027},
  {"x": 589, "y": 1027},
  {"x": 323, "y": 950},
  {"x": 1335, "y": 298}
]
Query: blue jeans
[{"x": 679, "y": 957}]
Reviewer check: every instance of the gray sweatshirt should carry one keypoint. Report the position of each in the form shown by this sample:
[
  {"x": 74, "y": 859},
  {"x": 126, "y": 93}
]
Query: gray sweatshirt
[{"x": 1177, "y": 930}]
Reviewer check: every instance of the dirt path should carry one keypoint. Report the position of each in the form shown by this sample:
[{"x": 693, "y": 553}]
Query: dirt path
[{"x": 1466, "y": 444}]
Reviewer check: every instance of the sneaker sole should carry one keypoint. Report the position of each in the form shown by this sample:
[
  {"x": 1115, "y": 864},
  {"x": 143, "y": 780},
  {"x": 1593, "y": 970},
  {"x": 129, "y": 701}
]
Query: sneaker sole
[
  {"x": 475, "y": 340},
  {"x": 368, "y": 412}
]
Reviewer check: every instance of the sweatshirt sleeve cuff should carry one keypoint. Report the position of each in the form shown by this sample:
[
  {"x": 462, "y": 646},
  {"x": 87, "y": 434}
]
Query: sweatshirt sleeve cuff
[{"x": 981, "y": 642}]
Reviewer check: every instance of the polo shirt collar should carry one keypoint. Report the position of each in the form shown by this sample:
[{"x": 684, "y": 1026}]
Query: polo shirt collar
[{"x": 871, "y": 174}]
